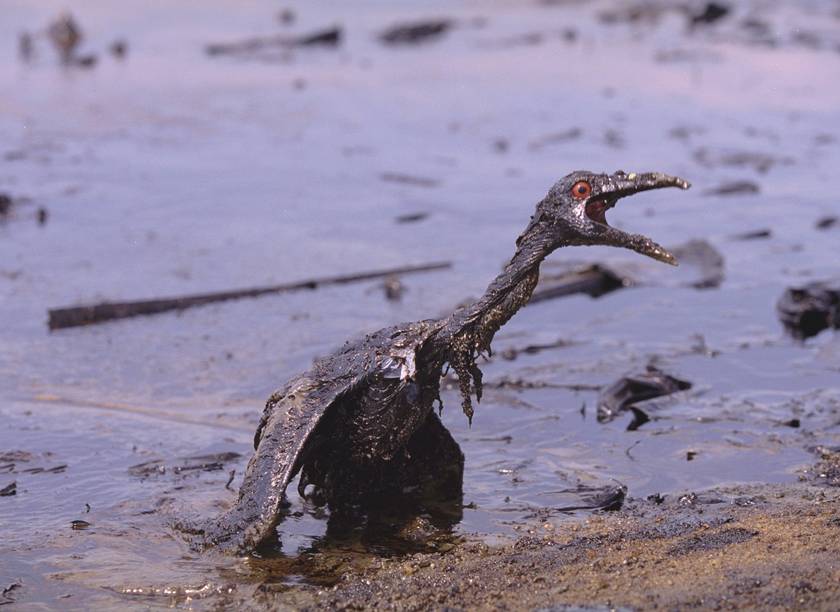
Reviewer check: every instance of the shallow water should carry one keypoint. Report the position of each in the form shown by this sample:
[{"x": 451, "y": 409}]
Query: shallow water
[{"x": 172, "y": 172}]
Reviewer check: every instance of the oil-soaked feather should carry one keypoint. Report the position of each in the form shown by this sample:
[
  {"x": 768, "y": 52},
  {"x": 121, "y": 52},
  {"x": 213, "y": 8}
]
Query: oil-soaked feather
[{"x": 290, "y": 419}]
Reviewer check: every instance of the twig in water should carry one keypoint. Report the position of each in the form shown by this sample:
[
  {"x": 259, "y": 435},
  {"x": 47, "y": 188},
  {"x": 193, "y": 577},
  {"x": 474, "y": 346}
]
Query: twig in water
[
  {"x": 631, "y": 447},
  {"x": 75, "y": 316}
]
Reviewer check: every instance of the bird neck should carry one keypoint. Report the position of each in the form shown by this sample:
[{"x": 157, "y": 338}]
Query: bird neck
[
  {"x": 469, "y": 330},
  {"x": 508, "y": 292}
]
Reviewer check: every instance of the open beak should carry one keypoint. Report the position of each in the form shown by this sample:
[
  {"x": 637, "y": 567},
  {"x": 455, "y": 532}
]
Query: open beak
[{"x": 621, "y": 185}]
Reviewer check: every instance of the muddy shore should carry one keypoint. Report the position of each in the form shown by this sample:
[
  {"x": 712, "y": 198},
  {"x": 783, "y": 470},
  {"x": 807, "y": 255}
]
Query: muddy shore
[
  {"x": 756, "y": 547},
  {"x": 769, "y": 548}
]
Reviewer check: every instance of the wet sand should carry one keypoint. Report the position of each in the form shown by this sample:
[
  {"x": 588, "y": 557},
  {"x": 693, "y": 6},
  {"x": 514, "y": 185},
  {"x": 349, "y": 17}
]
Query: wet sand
[{"x": 769, "y": 548}]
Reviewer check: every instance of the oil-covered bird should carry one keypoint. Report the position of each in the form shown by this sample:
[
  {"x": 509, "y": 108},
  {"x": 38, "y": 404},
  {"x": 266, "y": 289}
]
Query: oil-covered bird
[{"x": 365, "y": 412}]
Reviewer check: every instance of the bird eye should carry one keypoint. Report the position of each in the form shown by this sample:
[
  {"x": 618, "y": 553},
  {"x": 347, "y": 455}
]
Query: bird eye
[{"x": 581, "y": 190}]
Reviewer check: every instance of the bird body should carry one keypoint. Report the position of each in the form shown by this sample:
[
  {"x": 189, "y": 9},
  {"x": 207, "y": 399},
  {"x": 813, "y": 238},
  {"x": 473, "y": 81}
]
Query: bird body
[
  {"x": 364, "y": 415},
  {"x": 353, "y": 410}
]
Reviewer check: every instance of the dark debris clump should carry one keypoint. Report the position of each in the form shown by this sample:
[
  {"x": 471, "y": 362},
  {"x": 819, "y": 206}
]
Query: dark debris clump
[
  {"x": 416, "y": 33},
  {"x": 806, "y": 311},
  {"x": 622, "y": 395}
]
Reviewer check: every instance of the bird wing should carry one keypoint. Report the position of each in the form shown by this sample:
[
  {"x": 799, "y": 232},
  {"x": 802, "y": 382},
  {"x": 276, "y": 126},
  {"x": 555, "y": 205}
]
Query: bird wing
[
  {"x": 291, "y": 416},
  {"x": 289, "y": 419}
]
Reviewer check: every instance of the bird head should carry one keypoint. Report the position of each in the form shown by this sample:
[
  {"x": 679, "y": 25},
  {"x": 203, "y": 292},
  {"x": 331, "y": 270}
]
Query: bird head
[{"x": 575, "y": 210}]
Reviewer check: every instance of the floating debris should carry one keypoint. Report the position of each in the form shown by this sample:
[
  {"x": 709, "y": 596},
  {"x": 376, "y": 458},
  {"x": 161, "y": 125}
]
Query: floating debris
[
  {"x": 26, "y": 46},
  {"x": 528, "y": 39},
  {"x": 594, "y": 280},
  {"x": 328, "y": 37},
  {"x": 501, "y": 145},
  {"x": 706, "y": 258},
  {"x": 555, "y": 138},
  {"x": 75, "y": 316},
  {"x": 825, "y": 223},
  {"x": 686, "y": 132},
  {"x": 65, "y": 35},
  {"x": 635, "y": 13},
  {"x": 9, "y": 490},
  {"x": 760, "y": 162},
  {"x": 393, "y": 288},
  {"x": 201, "y": 463},
  {"x": 412, "y": 217},
  {"x": 119, "y": 49},
  {"x": 7, "y": 595},
  {"x": 521, "y": 383},
  {"x": 532, "y": 349},
  {"x": 614, "y": 139},
  {"x": 6, "y": 203},
  {"x": 702, "y": 266},
  {"x": 629, "y": 390},
  {"x": 685, "y": 55},
  {"x": 86, "y": 61},
  {"x": 734, "y": 188},
  {"x": 756, "y": 27},
  {"x": 759, "y": 234},
  {"x": 711, "y": 13},
  {"x": 610, "y": 499},
  {"x": 286, "y": 16},
  {"x": 640, "y": 417},
  {"x": 408, "y": 179},
  {"x": 806, "y": 311},
  {"x": 15, "y": 456},
  {"x": 416, "y": 33}
]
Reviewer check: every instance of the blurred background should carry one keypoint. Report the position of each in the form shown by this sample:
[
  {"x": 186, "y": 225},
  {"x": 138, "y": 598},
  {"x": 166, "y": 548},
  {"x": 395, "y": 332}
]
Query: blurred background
[{"x": 152, "y": 150}]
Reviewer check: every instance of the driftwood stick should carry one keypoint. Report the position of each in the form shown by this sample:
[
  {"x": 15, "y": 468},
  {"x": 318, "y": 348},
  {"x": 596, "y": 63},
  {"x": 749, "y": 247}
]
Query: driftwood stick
[
  {"x": 326, "y": 37},
  {"x": 594, "y": 281},
  {"x": 74, "y": 316}
]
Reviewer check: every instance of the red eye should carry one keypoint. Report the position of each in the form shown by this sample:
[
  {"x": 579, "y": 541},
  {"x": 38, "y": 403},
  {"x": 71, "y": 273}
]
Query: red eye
[{"x": 581, "y": 190}]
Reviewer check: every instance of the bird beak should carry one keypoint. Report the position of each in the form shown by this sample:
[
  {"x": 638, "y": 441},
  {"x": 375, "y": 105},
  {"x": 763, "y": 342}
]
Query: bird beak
[{"x": 621, "y": 185}]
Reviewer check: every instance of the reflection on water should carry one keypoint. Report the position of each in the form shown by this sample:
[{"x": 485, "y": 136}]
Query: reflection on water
[{"x": 171, "y": 172}]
